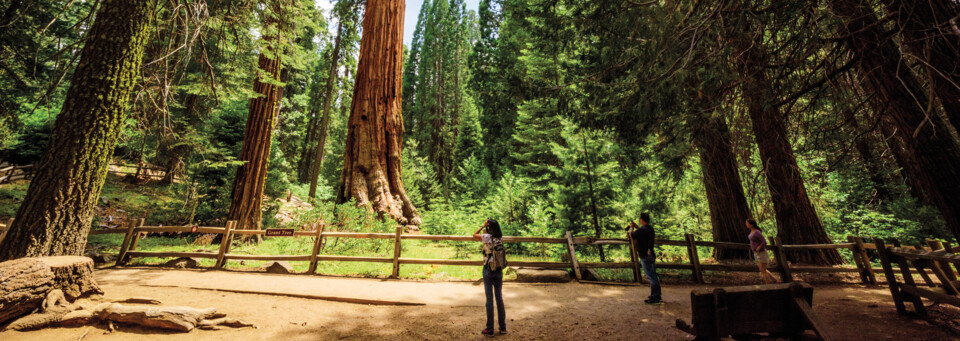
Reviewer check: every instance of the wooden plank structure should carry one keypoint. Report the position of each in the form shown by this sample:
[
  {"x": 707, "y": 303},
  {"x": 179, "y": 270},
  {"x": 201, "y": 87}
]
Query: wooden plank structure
[
  {"x": 936, "y": 258},
  {"x": 777, "y": 309}
]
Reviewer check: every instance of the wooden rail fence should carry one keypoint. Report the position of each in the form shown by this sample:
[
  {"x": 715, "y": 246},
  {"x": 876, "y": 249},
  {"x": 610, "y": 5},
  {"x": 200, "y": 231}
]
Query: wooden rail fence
[
  {"x": 856, "y": 245},
  {"x": 18, "y": 172}
]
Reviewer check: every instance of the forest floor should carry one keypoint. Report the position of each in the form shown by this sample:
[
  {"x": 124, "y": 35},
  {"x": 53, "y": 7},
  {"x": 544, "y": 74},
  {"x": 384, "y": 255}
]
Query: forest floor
[{"x": 454, "y": 310}]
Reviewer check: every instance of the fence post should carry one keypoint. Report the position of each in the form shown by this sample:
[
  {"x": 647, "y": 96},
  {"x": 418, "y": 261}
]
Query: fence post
[
  {"x": 136, "y": 236},
  {"x": 782, "y": 262},
  {"x": 225, "y": 240},
  {"x": 573, "y": 257},
  {"x": 892, "y": 283},
  {"x": 121, "y": 257},
  {"x": 866, "y": 259},
  {"x": 944, "y": 266},
  {"x": 316, "y": 248},
  {"x": 862, "y": 264},
  {"x": 908, "y": 278},
  {"x": 396, "y": 253},
  {"x": 694, "y": 259},
  {"x": 634, "y": 258},
  {"x": 6, "y": 229}
]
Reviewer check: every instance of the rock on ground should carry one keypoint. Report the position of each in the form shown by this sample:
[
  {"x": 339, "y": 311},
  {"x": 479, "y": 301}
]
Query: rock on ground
[
  {"x": 281, "y": 267},
  {"x": 182, "y": 263},
  {"x": 542, "y": 276}
]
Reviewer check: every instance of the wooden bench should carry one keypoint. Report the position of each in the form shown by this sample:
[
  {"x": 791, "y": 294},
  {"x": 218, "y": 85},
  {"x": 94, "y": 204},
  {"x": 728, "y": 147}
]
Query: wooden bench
[{"x": 776, "y": 309}]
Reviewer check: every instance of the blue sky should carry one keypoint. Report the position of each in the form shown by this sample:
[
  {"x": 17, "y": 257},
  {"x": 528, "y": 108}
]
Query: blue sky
[
  {"x": 413, "y": 9},
  {"x": 409, "y": 19}
]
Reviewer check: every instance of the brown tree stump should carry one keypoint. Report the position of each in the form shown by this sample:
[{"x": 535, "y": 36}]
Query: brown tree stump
[{"x": 25, "y": 282}]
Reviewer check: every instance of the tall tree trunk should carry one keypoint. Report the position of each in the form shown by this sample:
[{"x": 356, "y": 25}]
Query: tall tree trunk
[
  {"x": 724, "y": 191},
  {"x": 325, "y": 121},
  {"x": 797, "y": 220},
  {"x": 909, "y": 170},
  {"x": 924, "y": 134},
  {"x": 56, "y": 212},
  {"x": 593, "y": 201},
  {"x": 930, "y": 30},
  {"x": 247, "y": 201},
  {"x": 371, "y": 159}
]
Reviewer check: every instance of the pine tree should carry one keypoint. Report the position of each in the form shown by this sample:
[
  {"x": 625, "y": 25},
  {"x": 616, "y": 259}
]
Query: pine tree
[{"x": 56, "y": 213}]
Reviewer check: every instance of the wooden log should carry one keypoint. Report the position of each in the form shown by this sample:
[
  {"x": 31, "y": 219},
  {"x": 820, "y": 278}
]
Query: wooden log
[
  {"x": 317, "y": 243},
  {"x": 180, "y": 229},
  {"x": 936, "y": 245},
  {"x": 182, "y": 319},
  {"x": 886, "y": 262},
  {"x": 26, "y": 282},
  {"x": 745, "y": 310},
  {"x": 782, "y": 264},
  {"x": 396, "y": 253},
  {"x": 225, "y": 241},
  {"x": 573, "y": 257},
  {"x": 107, "y": 231},
  {"x": 694, "y": 259},
  {"x": 931, "y": 295}
]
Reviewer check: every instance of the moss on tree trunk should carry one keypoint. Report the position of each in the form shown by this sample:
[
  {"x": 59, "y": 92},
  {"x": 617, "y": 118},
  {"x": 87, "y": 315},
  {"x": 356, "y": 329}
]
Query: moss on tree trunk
[{"x": 56, "y": 212}]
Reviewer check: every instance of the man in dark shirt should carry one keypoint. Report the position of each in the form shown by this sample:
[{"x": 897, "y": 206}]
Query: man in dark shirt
[{"x": 643, "y": 238}]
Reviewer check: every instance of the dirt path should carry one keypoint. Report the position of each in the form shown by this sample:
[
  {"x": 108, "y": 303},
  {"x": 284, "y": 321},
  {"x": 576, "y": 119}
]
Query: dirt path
[{"x": 452, "y": 310}]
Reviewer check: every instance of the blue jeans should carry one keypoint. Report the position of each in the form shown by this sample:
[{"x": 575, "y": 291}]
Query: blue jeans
[
  {"x": 650, "y": 270},
  {"x": 493, "y": 280}
]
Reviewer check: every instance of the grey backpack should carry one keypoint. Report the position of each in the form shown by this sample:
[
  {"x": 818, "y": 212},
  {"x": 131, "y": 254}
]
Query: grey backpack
[{"x": 497, "y": 259}]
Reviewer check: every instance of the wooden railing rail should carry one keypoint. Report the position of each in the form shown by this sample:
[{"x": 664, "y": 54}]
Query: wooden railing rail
[{"x": 938, "y": 253}]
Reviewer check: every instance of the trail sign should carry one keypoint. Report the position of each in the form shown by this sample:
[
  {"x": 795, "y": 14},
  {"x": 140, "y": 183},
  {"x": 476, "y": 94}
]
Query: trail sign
[{"x": 279, "y": 232}]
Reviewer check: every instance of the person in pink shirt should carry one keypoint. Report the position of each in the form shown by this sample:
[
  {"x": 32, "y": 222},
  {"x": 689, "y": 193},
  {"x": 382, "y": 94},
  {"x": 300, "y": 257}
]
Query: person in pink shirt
[{"x": 758, "y": 246}]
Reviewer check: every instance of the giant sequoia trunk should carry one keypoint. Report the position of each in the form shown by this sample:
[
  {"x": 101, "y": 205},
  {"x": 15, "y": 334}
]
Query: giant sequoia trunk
[
  {"x": 55, "y": 215},
  {"x": 930, "y": 31},
  {"x": 903, "y": 102},
  {"x": 797, "y": 220},
  {"x": 247, "y": 202},
  {"x": 371, "y": 159},
  {"x": 724, "y": 191},
  {"x": 318, "y": 151}
]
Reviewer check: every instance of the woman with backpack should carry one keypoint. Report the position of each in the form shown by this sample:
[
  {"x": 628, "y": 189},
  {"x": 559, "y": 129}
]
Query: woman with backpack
[{"x": 494, "y": 260}]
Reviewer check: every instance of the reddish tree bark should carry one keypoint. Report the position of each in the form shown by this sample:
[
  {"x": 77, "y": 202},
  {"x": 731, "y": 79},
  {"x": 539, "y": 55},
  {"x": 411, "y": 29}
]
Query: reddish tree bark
[
  {"x": 923, "y": 135},
  {"x": 371, "y": 161},
  {"x": 247, "y": 201},
  {"x": 723, "y": 188},
  {"x": 797, "y": 220}
]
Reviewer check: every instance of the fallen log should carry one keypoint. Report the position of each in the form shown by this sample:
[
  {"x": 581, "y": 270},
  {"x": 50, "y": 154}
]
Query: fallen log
[{"x": 26, "y": 282}]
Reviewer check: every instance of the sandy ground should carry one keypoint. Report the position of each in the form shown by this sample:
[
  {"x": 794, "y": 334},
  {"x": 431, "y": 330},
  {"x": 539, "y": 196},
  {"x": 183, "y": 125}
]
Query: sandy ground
[{"x": 453, "y": 310}]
